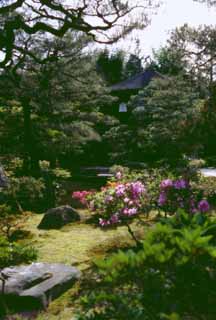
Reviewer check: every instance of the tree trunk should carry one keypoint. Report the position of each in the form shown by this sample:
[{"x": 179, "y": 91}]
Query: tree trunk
[{"x": 31, "y": 161}]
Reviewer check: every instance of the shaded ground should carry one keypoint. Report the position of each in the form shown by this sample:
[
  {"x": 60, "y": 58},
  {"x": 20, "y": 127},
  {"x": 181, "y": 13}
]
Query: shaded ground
[{"x": 77, "y": 244}]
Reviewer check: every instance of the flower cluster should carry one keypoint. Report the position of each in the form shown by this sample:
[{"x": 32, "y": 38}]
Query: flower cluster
[
  {"x": 118, "y": 202},
  {"x": 81, "y": 196},
  {"x": 176, "y": 194}
]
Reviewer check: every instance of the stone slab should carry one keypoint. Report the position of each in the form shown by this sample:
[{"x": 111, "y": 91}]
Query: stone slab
[{"x": 35, "y": 286}]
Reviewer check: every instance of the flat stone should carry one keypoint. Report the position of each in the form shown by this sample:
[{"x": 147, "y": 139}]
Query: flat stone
[
  {"x": 35, "y": 286},
  {"x": 56, "y": 218}
]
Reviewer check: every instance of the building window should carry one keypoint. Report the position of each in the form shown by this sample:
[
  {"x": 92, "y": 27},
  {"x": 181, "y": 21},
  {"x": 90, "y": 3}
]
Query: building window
[{"x": 122, "y": 107}]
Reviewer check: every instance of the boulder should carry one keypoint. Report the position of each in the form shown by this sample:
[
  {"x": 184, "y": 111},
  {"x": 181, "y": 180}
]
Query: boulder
[
  {"x": 56, "y": 218},
  {"x": 35, "y": 286}
]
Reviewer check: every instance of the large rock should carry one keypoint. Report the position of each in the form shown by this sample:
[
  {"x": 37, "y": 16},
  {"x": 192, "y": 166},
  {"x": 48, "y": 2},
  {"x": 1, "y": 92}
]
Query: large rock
[
  {"x": 57, "y": 217},
  {"x": 36, "y": 285}
]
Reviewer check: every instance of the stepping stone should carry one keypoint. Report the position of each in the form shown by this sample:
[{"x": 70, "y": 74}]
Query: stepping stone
[{"x": 35, "y": 286}]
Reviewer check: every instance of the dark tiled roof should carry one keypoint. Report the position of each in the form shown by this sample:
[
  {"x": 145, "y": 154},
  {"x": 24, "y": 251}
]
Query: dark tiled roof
[{"x": 137, "y": 82}]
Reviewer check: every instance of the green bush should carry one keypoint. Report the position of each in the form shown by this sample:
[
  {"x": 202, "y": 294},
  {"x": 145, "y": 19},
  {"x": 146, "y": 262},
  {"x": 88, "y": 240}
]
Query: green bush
[
  {"x": 14, "y": 253},
  {"x": 173, "y": 274},
  {"x": 207, "y": 185},
  {"x": 25, "y": 193},
  {"x": 12, "y": 223},
  {"x": 8, "y": 220}
]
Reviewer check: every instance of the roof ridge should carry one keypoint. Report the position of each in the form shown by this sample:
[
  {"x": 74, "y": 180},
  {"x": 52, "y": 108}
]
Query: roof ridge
[{"x": 137, "y": 76}]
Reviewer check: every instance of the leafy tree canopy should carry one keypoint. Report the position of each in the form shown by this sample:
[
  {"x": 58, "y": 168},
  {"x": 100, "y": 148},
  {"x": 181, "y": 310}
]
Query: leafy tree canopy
[
  {"x": 133, "y": 66},
  {"x": 165, "y": 113},
  {"x": 196, "y": 47}
]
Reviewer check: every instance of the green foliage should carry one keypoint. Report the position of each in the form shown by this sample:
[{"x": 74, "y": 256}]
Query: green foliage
[
  {"x": 12, "y": 223},
  {"x": 163, "y": 280},
  {"x": 133, "y": 66},
  {"x": 55, "y": 112},
  {"x": 169, "y": 62},
  {"x": 207, "y": 185},
  {"x": 196, "y": 164},
  {"x": 61, "y": 173},
  {"x": 8, "y": 220},
  {"x": 25, "y": 193},
  {"x": 111, "y": 66},
  {"x": 182, "y": 219},
  {"x": 14, "y": 253},
  {"x": 11, "y": 127},
  {"x": 203, "y": 41},
  {"x": 119, "y": 143},
  {"x": 165, "y": 113},
  {"x": 118, "y": 168}
]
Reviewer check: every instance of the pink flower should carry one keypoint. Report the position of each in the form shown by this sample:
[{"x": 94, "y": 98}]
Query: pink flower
[
  {"x": 103, "y": 222},
  {"x": 81, "y": 196},
  {"x": 162, "y": 199},
  {"x": 203, "y": 206},
  {"x": 118, "y": 175},
  {"x": 180, "y": 184},
  {"x": 132, "y": 211},
  {"x": 129, "y": 211},
  {"x": 120, "y": 190},
  {"x": 165, "y": 184},
  {"x": 108, "y": 199},
  {"x": 115, "y": 218},
  {"x": 125, "y": 211},
  {"x": 137, "y": 188},
  {"x": 126, "y": 200}
]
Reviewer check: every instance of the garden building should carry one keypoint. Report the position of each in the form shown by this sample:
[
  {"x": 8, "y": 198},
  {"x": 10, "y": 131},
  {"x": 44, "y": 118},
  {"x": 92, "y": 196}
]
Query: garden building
[{"x": 127, "y": 88}]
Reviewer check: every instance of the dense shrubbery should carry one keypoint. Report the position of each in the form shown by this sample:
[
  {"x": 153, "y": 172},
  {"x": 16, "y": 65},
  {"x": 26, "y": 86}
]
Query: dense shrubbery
[
  {"x": 178, "y": 193},
  {"x": 11, "y": 252},
  {"x": 24, "y": 193},
  {"x": 14, "y": 253},
  {"x": 173, "y": 273},
  {"x": 119, "y": 198},
  {"x": 166, "y": 113},
  {"x": 30, "y": 193},
  {"x": 207, "y": 186},
  {"x": 9, "y": 221}
]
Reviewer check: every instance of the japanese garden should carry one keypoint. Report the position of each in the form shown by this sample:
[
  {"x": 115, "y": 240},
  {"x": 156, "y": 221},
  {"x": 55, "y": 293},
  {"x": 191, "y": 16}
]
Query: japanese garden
[{"x": 107, "y": 162}]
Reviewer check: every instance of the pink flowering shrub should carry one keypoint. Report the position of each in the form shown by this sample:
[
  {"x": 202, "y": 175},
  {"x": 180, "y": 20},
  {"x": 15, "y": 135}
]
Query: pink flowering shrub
[
  {"x": 175, "y": 194},
  {"x": 82, "y": 196},
  {"x": 117, "y": 202}
]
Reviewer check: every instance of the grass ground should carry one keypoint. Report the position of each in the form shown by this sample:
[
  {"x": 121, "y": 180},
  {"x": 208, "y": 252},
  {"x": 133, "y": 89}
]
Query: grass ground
[{"x": 76, "y": 244}]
